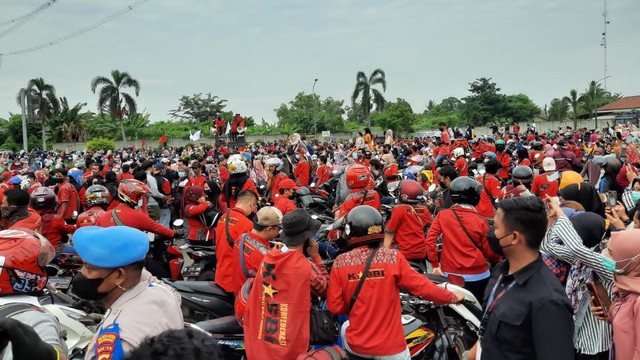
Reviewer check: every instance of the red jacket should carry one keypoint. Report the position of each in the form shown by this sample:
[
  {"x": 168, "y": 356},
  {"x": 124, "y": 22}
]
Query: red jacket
[
  {"x": 461, "y": 166},
  {"x": 89, "y": 217},
  {"x": 248, "y": 185},
  {"x": 195, "y": 225},
  {"x": 505, "y": 160},
  {"x": 32, "y": 222},
  {"x": 378, "y": 304},
  {"x": 322, "y": 174},
  {"x": 490, "y": 186},
  {"x": 460, "y": 255},
  {"x": 408, "y": 232},
  {"x": 301, "y": 173},
  {"x": 255, "y": 248},
  {"x": 285, "y": 205},
  {"x": 226, "y": 262},
  {"x": 135, "y": 219},
  {"x": 355, "y": 199},
  {"x": 55, "y": 229}
]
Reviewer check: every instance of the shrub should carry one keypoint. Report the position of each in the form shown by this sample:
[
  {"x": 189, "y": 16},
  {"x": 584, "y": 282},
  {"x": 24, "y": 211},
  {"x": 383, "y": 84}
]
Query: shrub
[{"x": 101, "y": 144}]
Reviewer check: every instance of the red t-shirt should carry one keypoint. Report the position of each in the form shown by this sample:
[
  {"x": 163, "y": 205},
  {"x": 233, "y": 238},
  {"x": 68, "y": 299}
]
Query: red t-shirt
[
  {"x": 197, "y": 181},
  {"x": 68, "y": 193},
  {"x": 322, "y": 174},
  {"x": 285, "y": 205},
  {"x": 275, "y": 185},
  {"x": 409, "y": 232},
  {"x": 301, "y": 173},
  {"x": 355, "y": 199},
  {"x": 525, "y": 162},
  {"x": 462, "y": 166},
  {"x": 226, "y": 262},
  {"x": 55, "y": 229},
  {"x": 505, "y": 160},
  {"x": 248, "y": 185},
  {"x": 378, "y": 305},
  {"x": 542, "y": 186},
  {"x": 490, "y": 185}
]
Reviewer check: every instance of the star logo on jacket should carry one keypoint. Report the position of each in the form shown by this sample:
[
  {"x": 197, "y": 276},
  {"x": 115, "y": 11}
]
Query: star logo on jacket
[{"x": 269, "y": 290}]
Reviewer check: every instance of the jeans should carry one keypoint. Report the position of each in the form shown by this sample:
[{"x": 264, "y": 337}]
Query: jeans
[
  {"x": 165, "y": 217},
  {"x": 399, "y": 356}
]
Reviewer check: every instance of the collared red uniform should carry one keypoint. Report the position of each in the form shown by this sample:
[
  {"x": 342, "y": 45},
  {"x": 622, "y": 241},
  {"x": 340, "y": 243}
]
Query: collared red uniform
[
  {"x": 226, "y": 263},
  {"x": 355, "y": 198},
  {"x": 301, "y": 173},
  {"x": 197, "y": 181},
  {"x": 135, "y": 219},
  {"x": 285, "y": 205},
  {"x": 89, "y": 217},
  {"x": 491, "y": 190},
  {"x": 68, "y": 193},
  {"x": 408, "y": 231},
  {"x": 255, "y": 248},
  {"x": 55, "y": 229},
  {"x": 542, "y": 186}
]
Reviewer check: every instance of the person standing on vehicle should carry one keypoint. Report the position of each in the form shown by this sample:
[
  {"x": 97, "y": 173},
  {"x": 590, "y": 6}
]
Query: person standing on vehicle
[
  {"x": 278, "y": 309},
  {"x": 97, "y": 201},
  {"x": 16, "y": 213},
  {"x": 527, "y": 314},
  {"x": 230, "y": 227},
  {"x": 287, "y": 192},
  {"x": 31, "y": 331},
  {"x": 138, "y": 305},
  {"x": 67, "y": 196},
  {"x": 465, "y": 249},
  {"x": 377, "y": 305}
]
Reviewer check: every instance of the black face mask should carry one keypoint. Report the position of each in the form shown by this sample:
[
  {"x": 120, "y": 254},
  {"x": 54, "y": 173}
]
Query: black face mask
[
  {"x": 442, "y": 184},
  {"x": 87, "y": 289},
  {"x": 494, "y": 241}
]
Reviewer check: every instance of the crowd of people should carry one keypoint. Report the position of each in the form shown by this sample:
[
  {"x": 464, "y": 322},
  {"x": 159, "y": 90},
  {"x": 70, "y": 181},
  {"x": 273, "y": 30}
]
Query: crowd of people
[{"x": 542, "y": 226}]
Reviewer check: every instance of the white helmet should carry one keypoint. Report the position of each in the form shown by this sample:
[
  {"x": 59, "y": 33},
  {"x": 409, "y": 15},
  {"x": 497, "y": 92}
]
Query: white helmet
[
  {"x": 458, "y": 152},
  {"x": 275, "y": 162},
  {"x": 25, "y": 184},
  {"x": 236, "y": 165}
]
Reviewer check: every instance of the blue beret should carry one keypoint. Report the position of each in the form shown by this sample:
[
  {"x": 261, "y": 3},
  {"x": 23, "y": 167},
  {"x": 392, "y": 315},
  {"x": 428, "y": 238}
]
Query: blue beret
[{"x": 110, "y": 247}]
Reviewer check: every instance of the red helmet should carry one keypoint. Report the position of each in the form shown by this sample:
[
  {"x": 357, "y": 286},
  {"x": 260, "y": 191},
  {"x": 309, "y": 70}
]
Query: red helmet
[
  {"x": 130, "y": 191},
  {"x": 391, "y": 171},
  {"x": 240, "y": 305},
  {"x": 24, "y": 255},
  {"x": 40, "y": 176},
  {"x": 410, "y": 192},
  {"x": 357, "y": 176},
  {"x": 97, "y": 195},
  {"x": 43, "y": 198}
]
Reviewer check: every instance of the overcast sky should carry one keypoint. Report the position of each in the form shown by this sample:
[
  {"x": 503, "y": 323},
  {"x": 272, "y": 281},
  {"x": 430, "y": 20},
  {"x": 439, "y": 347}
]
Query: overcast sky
[{"x": 258, "y": 54}]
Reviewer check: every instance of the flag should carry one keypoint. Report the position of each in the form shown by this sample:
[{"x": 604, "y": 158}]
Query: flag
[
  {"x": 228, "y": 128},
  {"x": 194, "y": 137},
  {"x": 143, "y": 144},
  {"x": 163, "y": 140}
]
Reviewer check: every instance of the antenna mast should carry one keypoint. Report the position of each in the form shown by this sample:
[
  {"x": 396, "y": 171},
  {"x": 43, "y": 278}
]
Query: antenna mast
[{"x": 604, "y": 43}]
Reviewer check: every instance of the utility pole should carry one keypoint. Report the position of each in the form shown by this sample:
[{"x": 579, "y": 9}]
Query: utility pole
[
  {"x": 23, "y": 98},
  {"x": 604, "y": 43},
  {"x": 315, "y": 125}
]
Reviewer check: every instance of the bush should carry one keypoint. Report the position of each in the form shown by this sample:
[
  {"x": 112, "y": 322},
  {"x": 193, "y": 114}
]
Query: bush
[{"x": 101, "y": 144}]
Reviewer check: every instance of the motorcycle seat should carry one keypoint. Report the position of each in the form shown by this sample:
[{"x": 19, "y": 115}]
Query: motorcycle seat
[
  {"x": 418, "y": 265},
  {"x": 224, "y": 325},
  {"x": 437, "y": 279},
  {"x": 204, "y": 287},
  {"x": 211, "y": 249}
]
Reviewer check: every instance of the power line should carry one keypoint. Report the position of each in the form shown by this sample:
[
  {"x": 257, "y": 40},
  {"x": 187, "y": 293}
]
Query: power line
[
  {"x": 77, "y": 33},
  {"x": 19, "y": 21}
]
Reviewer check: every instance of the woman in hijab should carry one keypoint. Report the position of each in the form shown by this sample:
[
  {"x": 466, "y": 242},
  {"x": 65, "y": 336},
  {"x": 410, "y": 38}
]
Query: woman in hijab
[
  {"x": 623, "y": 250},
  {"x": 195, "y": 206},
  {"x": 577, "y": 241},
  {"x": 585, "y": 194}
]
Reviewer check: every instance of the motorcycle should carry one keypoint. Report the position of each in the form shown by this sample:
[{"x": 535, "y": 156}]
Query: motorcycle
[
  {"x": 62, "y": 269},
  {"x": 204, "y": 262},
  {"x": 312, "y": 203},
  {"x": 203, "y": 300},
  {"x": 164, "y": 259}
]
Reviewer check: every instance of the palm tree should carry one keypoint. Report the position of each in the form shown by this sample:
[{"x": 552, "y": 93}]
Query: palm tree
[
  {"x": 558, "y": 109},
  {"x": 44, "y": 101},
  {"x": 592, "y": 98},
  {"x": 111, "y": 96},
  {"x": 576, "y": 104},
  {"x": 369, "y": 95},
  {"x": 68, "y": 124}
]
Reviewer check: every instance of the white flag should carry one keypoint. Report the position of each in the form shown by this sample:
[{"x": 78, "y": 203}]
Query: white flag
[
  {"x": 196, "y": 136},
  {"x": 228, "y": 128}
]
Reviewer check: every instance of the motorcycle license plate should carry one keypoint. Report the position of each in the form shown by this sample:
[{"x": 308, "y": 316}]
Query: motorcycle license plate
[
  {"x": 191, "y": 271},
  {"x": 60, "y": 283}
]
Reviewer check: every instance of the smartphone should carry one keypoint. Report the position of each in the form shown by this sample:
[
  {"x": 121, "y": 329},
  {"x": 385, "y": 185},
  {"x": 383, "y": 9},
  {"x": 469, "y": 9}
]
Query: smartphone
[
  {"x": 613, "y": 198},
  {"x": 623, "y": 153},
  {"x": 600, "y": 295}
]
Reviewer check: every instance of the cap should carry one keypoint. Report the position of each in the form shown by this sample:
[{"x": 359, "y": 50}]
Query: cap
[
  {"x": 164, "y": 160},
  {"x": 562, "y": 143},
  {"x": 269, "y": 216},
  {"x": 195, "y": 165},
  {"x": 288, "y": 184},
  {"x": 298, "y": 226},
  {"x": 110, "y": 247},
  {"x": 158, "y": 166},
  {"x": 549, "y": 164}
]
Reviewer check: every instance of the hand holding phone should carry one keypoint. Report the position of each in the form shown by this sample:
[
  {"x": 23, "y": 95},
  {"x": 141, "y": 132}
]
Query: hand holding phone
[{"x": 599, "y": 296}]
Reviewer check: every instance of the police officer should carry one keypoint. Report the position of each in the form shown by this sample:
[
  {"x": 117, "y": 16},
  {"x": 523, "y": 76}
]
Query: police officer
[{"x": 138, "y": 305}]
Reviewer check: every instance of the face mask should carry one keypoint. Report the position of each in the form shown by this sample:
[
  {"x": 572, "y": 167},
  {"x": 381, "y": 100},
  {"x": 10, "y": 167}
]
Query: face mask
[
  {"x": 442, "y": 184},
  {"x": 181, "y": 174},
  {"x": 610, "y": 264},
  {"x": 355, "y": 155},
  {"x": 297, "y": 156},
  {"x": 87, "y": 289},
  {"x": 635, "y": 196},
  {"x": 494, "y": 241}
]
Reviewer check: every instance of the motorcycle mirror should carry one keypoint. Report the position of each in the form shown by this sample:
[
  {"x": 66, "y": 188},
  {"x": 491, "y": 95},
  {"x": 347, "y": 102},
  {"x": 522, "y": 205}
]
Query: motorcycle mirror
[
  {"x": 455, "y": 280},
  {"x": 74, "y": 215},
  {"x": 178, "y": 223},
  {"x": 312, "y": 185},
  {"x": 432, "y": 188},
  {"x": 314, "y": 217}
]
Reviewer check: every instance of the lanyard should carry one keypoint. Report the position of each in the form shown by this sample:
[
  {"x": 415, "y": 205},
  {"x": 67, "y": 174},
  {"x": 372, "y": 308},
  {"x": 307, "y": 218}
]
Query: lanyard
[{"x": 492, "y": 300}]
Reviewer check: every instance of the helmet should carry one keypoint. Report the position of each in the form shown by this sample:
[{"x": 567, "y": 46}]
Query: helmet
[
  {"x": 97, "y": 195},
  {"x": 236, "y": 164},
  {"x": 357, "y": 176},
  {"x": 336, "y": 171},
  {"x": 489, "y": 155},
  {"x": 410, "y": 192},
  {"x": 391, "y": 171},
  {"x": 465, "y": 190},
  {"x": 240, "y": 304},
  {"x": 43, "y": 198},
  {"x": 537, "y": 145},
  {"x": 363, "y": 225},
  {"x": 130, "y": 191},
  {"x": 25, "y": 255},
  {"x": 367, "y": 153},
  {"x": 522, "y": 174},
  {"x": 25, "y": 184},
  {"x": 499, "y": 142},
  {"x": 458, "y": 152},
  {"x": 568, "y": 178},
  {"x": 15, "y": 181},
  {"x": 275, "y": 162}
]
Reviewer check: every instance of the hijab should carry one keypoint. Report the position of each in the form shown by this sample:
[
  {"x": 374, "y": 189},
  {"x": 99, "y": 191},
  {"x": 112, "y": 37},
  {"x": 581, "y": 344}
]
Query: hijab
[
  {"x": 625, "y": 245},
  {"x": 585, "y": 194},
  {"x": 192, "y": 194}
]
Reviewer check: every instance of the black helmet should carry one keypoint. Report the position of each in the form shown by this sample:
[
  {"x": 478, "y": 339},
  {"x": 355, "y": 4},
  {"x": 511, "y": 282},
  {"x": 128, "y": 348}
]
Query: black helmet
[
  {"x": 465, "y": 190},
  {"x": 522, "y": 174},
  {"x": 363, "y": 226},
  {"x": 537, "y": 145},
  {"x": 97, "y": 195},
  {"x": 43, "y": 198}
]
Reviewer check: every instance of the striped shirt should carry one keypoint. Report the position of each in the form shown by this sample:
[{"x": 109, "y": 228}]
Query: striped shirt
[{"x": 563, "y": 242}]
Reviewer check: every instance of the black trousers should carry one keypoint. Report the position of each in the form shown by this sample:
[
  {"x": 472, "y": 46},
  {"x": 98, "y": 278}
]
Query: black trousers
[{"x": 477, "y": 288}]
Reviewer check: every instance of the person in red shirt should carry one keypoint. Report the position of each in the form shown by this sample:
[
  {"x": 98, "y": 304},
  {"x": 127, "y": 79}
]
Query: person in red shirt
[
  {"x": 465, "y": 249},
  {"x": 44, "y": 201},
  {"x": 256, "y": 244},
  {"x": 536, "y": 155},
  {"x": 543, "y": 186},
  {"x": 274, "y": 177},
  {"x": 238, "y": 122},
  {"x": 67, "y": 196},
  {"x": 196, "y": 204},
  {"x": 283, "y": 202},
  {"x": 406, "y": 227},
  {"x": 96, "y": 200},
  {"x": 358, "y": 178},
  {"x": 377, "y": 306},
  {"x": 523, "y": 157},
  {"x": 324, "y": 172},
  {"x": 461, "y": 164},
  {"x": 505, "y": 159},
  {"x": 219, "y": 123},
  {"x": 230, "y": 227},
  {"x": 238, "y": 181},
  {"x": 197, "y": 179},
  {"x": 302, "y": 170},
  {"x": 16, "y": 213},
  {"x": 491, "y": 187},
  {"x": 125, "y": 172},
  {"x": 285, "y": 283}
]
